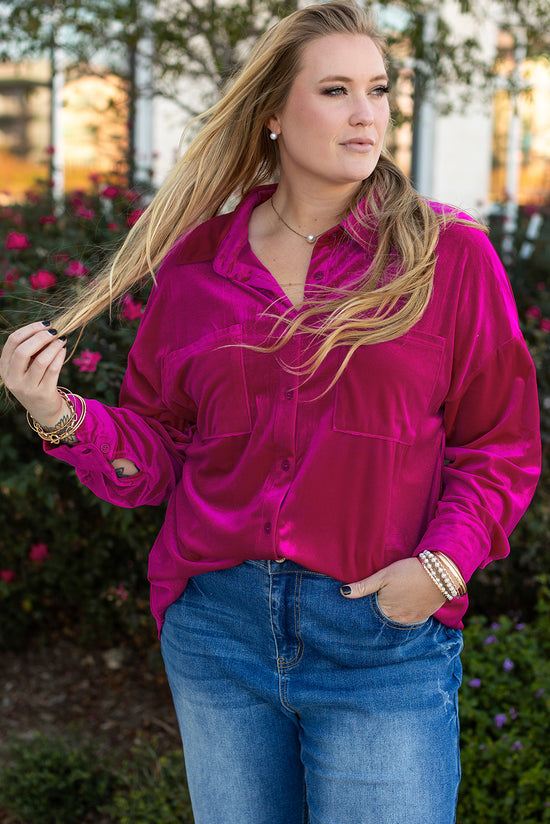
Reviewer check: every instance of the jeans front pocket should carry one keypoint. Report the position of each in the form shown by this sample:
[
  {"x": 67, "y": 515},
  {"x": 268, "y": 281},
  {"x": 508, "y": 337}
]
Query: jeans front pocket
[{"x": 389, "y": 622}]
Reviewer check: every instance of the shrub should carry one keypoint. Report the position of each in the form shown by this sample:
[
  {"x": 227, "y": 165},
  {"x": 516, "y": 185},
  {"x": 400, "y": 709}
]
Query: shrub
[
  {"x": 510, "y": 585},
  {"x": 505, "y": 717},
  {"x": 53, "y": 781},
  {"x": 68, "y": 561},
  {"x": 152, "y": 789}
]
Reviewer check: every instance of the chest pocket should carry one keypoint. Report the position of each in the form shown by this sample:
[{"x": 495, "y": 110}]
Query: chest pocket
[
  {"x": 386, "y": 389},
  {"x": 209, "y": 376}
]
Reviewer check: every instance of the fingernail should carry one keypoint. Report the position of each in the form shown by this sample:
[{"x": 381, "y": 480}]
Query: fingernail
[
  {"x": 46, "y": 323},
  {"x": 63, "y": 338},
  {"x": 346, "y": 590},
  {"x": 52, "y": 331}
]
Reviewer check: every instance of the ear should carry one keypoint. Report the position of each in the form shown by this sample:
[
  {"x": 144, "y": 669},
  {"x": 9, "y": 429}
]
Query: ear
[{"x": 274, "y": 125}]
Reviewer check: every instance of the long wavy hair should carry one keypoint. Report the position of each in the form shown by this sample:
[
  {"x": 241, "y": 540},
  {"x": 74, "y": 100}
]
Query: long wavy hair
[{"x": 232, "y": 153}]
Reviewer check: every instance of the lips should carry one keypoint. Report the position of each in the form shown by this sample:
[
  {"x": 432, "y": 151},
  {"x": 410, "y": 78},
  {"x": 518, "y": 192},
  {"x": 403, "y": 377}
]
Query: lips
[{"x": 359, "y": 144}]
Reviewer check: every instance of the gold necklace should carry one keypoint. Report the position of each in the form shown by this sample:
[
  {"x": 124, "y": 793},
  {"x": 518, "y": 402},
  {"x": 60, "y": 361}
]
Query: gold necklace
[{"x": 309, "y": 238}]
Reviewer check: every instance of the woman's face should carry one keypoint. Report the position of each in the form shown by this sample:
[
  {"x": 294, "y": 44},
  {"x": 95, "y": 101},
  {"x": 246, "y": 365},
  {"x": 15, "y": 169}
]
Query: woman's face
[{"x": 332, "y": 127}]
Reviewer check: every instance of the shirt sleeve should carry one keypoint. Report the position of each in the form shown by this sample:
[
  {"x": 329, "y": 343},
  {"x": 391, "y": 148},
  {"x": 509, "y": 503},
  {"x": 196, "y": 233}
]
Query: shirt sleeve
[
  {"x": 142, "y": 428},
  {"x": 491, "y": 416}
]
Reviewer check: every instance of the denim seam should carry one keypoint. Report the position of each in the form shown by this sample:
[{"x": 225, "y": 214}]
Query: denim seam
[{"x": 298, "y": 657}]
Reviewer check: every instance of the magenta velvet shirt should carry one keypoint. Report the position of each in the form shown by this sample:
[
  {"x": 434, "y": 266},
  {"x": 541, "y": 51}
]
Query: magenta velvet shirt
[{"x": 430, "y": 441}]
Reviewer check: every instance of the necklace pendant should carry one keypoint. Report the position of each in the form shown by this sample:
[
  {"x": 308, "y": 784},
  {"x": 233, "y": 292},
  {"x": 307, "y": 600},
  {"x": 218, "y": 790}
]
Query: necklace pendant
[{"x": 310, "y": 238}]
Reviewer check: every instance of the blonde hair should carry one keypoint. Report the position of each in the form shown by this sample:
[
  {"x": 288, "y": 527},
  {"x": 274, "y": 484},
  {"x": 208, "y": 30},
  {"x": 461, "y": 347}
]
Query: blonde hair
[{"x": 232, "y": 153}]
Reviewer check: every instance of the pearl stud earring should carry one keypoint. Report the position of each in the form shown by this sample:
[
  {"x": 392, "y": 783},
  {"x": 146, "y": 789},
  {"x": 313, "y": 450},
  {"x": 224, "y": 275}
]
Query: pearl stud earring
[{"x": 273, "y": 135}]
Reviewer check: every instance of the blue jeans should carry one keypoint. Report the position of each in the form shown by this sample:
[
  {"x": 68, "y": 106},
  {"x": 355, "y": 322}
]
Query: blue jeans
[{"x": 299, "y": 706}]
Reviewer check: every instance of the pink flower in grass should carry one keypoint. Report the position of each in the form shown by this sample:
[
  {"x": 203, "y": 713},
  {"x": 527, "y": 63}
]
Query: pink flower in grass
[
  {"x": 45, "y": 219},
  {"x": 533, "y": 312},
  {"x": 15, "y": 240},
  {"x": 545, "y": 325},
  {"x": 7, "y": 575},
  {"x": 42, "y": 279},
  {"x": 76, "y": 269},
  {"x": 131, "y": 309},
  {"x": 87, "y": 362},
  {"x": 39, "y": 553}
]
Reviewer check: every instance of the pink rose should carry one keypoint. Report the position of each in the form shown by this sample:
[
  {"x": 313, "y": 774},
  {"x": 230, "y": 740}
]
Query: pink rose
[
  {"x": 132, "y": 309},
  {"x": 545, "y": 325},
  {"x": 15, "y": 240},
  {"x": 39, "y": 553},
  {"x": 110, "y": 192},
  {"x": 7, "y": 575},
  {"x": 76, "y": 269},
  {"x": 87, "y": 362},
  {"x": 87, "y": 214},
  {"x": 533, "y": 312},
  {"x": 133, "y": 217},
  {"x": 42, "y": 280},
  {"x": 47, "y": 219}
]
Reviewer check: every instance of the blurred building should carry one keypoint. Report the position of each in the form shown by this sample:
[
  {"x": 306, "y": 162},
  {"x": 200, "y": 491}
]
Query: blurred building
[{"x": 470, "y": 150}]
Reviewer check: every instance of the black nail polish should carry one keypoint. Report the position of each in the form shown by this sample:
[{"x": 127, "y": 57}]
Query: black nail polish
[
  {"x": 46, "y": 323},
  {"x": 63, "y": 338},
  {"x": 52, "y": 331},
  {"x": 345, "y": 590}
]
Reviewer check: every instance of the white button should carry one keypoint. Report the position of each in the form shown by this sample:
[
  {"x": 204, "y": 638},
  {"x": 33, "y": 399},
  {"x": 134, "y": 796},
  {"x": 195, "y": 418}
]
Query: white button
[{"x": 280, "y": 560}]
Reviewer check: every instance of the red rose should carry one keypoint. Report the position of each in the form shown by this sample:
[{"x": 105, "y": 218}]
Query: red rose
[
  {"x": 15, "y": 240},
  {"x": 76, "y": 269},
  {"x": 39, "y": 553},
  {"x": 7, "y": 575},
  {"x": 87, "y": 362},
  {"x": 42, "y": 280}
]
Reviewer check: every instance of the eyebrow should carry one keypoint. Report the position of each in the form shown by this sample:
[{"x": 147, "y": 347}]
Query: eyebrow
[{"x": 342, "y": 79}]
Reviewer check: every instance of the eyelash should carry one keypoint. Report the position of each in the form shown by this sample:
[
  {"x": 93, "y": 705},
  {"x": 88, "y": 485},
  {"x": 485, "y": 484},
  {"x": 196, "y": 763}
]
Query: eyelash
[{"x": 379, "y": 91}]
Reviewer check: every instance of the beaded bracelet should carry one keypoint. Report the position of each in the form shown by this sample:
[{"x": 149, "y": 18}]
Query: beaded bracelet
[
  {"x": 65, "y": 432},
  {"x": 444, "y": 573},
  {"x": 454, "y": 572}
]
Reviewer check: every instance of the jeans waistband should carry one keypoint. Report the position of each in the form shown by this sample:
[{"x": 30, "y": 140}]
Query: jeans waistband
[{"x": 283, "y": 565}]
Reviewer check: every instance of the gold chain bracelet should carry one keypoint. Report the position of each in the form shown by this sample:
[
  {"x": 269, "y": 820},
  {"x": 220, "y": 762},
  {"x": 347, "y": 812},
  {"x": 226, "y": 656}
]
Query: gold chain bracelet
[{"x": 61, "y": 432}]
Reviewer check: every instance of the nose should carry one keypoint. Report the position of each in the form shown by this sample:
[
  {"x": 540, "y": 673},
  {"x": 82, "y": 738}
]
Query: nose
[{"x": 363, "y": 112}]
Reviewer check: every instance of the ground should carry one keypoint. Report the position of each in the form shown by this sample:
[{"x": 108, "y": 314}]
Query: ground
[{"x": 112, "y": 696}]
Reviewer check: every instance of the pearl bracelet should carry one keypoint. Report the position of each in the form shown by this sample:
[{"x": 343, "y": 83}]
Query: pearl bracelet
[{"x": 444, "y": 573}]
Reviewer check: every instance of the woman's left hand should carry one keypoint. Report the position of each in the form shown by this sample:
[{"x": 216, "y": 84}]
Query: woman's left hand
[{"x": 406, "y": 593}]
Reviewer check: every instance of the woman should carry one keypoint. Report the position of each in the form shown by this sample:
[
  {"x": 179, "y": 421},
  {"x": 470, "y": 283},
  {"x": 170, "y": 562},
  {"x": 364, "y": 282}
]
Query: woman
[{"x": 330, "y": 388}]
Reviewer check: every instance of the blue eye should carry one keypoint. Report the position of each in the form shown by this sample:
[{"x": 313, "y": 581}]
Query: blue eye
[
  {"x": 336, "y": 91},
  {"x": 380, "y": 91}
]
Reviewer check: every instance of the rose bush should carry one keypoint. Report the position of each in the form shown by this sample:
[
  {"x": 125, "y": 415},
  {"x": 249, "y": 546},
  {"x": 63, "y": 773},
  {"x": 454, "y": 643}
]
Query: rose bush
[{"x": 69, "y": 563}]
